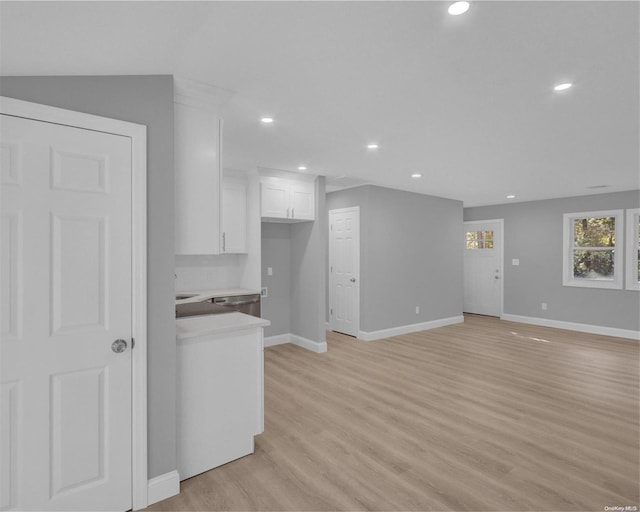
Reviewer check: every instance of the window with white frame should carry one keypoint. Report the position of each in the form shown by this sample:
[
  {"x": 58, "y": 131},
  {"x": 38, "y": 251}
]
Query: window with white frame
[
  {"x": 593, "y": 249},
  {"x": 633, "y": 249}
]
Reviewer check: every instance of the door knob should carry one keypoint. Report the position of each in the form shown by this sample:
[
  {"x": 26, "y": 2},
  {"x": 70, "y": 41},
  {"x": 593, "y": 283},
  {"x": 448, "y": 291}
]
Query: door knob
[
  {"x": 119, "y": 346},
  {"x": 353, "y": 279}
]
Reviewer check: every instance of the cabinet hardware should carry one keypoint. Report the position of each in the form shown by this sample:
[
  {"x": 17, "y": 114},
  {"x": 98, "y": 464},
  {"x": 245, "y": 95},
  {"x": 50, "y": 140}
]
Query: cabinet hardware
[{"x": 224, "y": 241}]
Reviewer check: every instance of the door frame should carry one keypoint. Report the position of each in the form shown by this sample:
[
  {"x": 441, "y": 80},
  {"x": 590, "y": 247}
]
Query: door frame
[
  {"x": 501, "y": 222},
  {"x": 356, "y": 315},
  {"x": 138, "y": 135}
]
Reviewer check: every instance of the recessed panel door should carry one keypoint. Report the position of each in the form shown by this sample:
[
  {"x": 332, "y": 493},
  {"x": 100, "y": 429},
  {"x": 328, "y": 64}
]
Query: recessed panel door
[
  {"x": 65, "y": 393},
  {"x": 344, "y": 270},
  {"x": 483, "y": 267},
  {"x": 275, "y": 201}
]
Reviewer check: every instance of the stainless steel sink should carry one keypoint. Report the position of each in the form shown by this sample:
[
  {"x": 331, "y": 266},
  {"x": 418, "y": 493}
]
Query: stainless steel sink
[{"x": 181, "y": 296}]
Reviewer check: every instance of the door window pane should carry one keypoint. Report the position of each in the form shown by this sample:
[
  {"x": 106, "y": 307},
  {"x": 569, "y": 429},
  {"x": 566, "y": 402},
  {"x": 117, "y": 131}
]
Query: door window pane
[{"x": 479, "y": 240}]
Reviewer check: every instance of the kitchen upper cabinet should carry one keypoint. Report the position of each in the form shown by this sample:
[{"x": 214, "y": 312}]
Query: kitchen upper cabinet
[
  {"x": 234, "y": 216},
  {"x": 198, "y": 168},
  {"x": 302, "y": 198},
  {"x": 287, "y": 200}
]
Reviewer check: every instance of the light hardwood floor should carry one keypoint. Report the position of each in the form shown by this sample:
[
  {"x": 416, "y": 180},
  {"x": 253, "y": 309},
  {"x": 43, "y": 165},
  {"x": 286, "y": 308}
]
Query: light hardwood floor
[{"x": 485, "y": 415}]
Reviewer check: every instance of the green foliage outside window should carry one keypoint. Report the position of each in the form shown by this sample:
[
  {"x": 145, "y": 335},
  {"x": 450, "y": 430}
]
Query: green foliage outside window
[{"x": 592, "y": 258}]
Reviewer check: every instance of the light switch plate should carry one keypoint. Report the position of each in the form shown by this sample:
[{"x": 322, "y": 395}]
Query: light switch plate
[
  {"x": 269, "y": 271},
  {"x": 264, "y": 292},
  {"x": 515, "y": 262}
]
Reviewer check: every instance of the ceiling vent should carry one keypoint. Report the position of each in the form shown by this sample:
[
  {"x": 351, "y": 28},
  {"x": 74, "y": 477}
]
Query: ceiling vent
[{"x": 343, "y": 182}]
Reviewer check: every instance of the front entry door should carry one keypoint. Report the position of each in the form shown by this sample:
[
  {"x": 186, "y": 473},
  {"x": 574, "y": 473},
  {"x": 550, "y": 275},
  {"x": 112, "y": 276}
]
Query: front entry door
[
  {"x": 65, "y": 428},
  {"x": 344, "y": 270},
  {"x": 483, "y": 267}
]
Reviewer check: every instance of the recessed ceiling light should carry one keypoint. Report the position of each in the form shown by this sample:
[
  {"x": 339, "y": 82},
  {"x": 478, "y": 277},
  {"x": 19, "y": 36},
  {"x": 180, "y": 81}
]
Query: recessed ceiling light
[
  {"x": 372, "y": 146},
  {"x": 416, "y": 175},
  {"x": 511, "y": 196},
  {"x": 266, "y": 120},
  {"x": 562, "y": 87},
  {"x": 457, "y": 8},
  {"x": 302, "y": 168}
]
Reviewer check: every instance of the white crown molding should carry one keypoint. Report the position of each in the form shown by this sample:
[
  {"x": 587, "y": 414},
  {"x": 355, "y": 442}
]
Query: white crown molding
[{"x": 199, "y": 94}]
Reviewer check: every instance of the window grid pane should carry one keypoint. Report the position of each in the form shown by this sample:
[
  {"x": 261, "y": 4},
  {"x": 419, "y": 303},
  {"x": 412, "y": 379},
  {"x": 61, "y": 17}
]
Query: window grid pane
[
  {"x": 594, "y": 232},
  {"x": 593, "y": 264},
  {"x": 479, "y": 240}
]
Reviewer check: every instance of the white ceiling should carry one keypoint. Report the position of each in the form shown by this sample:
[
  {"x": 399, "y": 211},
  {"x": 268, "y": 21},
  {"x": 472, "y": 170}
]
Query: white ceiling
[{"x": 467, "y": 101}]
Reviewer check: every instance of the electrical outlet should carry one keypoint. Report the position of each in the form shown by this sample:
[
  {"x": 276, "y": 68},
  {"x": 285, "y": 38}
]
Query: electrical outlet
[
  {"x": 544, "y": 306},
  {"x": 417, "y": 310},
  {"x": 264, "y": 292},
  {"x": 269, "y": 271}
]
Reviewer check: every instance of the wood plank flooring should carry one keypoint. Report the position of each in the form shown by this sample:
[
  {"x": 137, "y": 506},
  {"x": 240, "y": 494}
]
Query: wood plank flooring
[{"x": 485, "y": 415}]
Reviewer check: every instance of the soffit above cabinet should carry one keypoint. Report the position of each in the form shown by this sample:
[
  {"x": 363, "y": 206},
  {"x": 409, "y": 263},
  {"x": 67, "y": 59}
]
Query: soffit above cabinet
[{"x": 200, "y": 95}]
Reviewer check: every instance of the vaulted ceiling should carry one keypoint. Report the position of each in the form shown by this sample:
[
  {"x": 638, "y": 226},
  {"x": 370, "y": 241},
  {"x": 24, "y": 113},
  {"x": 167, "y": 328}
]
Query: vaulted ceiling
[{"x": 467, "y": 101}]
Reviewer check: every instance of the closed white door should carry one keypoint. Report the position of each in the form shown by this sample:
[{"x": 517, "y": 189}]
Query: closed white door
[
  {"x": 302, "y": 201},
  {"x": 483, "y": 267},
  {"x": 344, "y": 270},
  {"x": 65, "y": 435}
]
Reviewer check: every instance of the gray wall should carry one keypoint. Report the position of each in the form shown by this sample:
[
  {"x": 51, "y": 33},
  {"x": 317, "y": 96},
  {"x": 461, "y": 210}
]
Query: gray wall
[
  {"x": 533, "y": 233},
  {"x": 309, "y": 269},
  {"x": 276, "y": 253},
  {"x": 297, "y": 254},
  {"x": 409, "y": 255},
  {"x": 146, "y": 100}
]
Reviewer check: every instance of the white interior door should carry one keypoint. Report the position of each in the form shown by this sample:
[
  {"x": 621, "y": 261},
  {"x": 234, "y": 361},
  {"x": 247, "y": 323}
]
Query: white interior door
[
  {"x": 344, "y": 270},
  {"x": 65, "y": 430},
  {"x": 483, "y": 267}
]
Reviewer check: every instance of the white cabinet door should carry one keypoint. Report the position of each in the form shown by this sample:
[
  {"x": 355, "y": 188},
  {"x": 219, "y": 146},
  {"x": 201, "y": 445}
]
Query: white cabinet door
[
  {"x": 234, "y": 217},
  {"x": 220, "y": 393},
  {"x": 275, "y": 200},
  {"x": 288, "y": 200},
  {"x": 197, "y": 154},
  {"x": 65, "y": 395},
  {"x": 302, "y": 200}
]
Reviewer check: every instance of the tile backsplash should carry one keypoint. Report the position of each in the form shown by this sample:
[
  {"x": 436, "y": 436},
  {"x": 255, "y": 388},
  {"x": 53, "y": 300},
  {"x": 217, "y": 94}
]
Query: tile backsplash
[{"x": 208, "y": 272}]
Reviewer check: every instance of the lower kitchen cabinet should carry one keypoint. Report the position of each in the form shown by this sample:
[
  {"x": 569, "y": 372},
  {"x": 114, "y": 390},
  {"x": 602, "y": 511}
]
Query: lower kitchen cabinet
[{"x": 220, "y": 392}]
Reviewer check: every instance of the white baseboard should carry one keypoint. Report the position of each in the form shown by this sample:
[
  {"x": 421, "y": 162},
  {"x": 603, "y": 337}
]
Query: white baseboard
[
  {"x": 315, "y": 346},
  {"x": 406, "y": 329},
  {"x": 279, "y": 339},
  {"x": 572, "y": 326},
  {"x": 163, "y": 487}
]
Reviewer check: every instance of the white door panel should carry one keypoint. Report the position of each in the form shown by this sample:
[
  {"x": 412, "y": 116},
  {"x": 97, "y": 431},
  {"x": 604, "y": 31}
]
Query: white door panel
[
  {"x": 66, "y": 296},
  {"x": 275, "y": 201},
  {"x": 302, "y": 200},
  {"x": 344, "y": 270},
  {"x": 483, "y": 268}
]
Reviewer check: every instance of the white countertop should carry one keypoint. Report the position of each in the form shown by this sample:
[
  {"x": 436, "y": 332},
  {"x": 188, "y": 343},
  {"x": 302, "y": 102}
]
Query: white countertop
[
  {"x": 202, "y": 295},
  {"x": 192, "y": 326}
]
